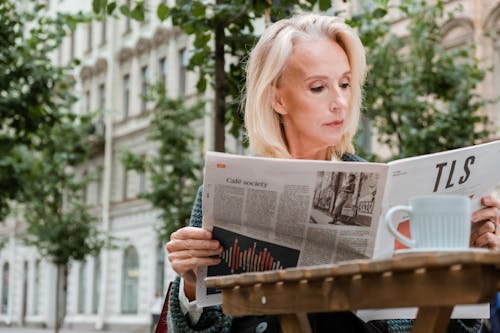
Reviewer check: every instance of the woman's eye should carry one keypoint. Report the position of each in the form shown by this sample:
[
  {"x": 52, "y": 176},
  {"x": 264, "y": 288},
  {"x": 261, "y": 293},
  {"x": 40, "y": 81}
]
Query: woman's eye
[
  {"x": 345, "y": 85},
  {"x": 317, "y": 89}
]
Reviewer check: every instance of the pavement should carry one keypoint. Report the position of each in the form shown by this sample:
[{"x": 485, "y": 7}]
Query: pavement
[{"x": 14, "y": 329}]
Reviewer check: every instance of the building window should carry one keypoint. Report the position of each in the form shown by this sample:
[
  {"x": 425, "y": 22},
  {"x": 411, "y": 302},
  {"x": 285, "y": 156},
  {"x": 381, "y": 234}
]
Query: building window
[
  {"x": 102, "y": 104},
  {"x": 37, "y": 288},
  {"x": 102, "y": 96},
  {"x": 142, "y": 182},
  {"x": 98, "y": 193},
  {"x": 24, "y": 301},
  {"x": 103, "y": 31},
  {"x": 125, "y": 184},
  {"x": 72, "y": 45},
  {"x": 86, "y": 106},
  {"x": 85, "y": 186},
  {"x": 130, "y": 280},
  {"x": 89, "y": 37},
  {"x": 147, "y": 13},
  {"x": 126, "y": 95},
  {"x": 457, "y": 33},
  {"x": 182, "y": 72},
  {"x": 97, "y": 284},
  {"x": 144, "y": 87},
  {"x": 81, "y": 287},
  {"x": 5, "y": 288},
  {"x": 162, "y": 64},
  {"x": 128, "y": 21},
  {"x": 60, "y": 55},
  {"x": 160, "y": 269}
]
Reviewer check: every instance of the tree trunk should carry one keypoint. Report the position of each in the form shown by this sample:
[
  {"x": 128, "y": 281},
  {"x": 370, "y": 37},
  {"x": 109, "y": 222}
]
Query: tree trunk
[
  {"x": 220, "y": 85},
  {"x": 58, "y": 279}
]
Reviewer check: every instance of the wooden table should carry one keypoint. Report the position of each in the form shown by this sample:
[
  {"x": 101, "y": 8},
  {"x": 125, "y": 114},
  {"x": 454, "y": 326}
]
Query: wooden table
[{"x": 433, "y": 282}]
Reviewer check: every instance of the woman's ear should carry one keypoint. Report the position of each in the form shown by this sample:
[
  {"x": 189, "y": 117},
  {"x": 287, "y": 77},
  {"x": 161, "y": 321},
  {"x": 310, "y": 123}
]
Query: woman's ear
[{"x": 277, "y": 104}]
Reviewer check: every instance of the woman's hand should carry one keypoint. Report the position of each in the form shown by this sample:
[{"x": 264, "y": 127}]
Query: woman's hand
[
  {"x": 188, "y": 249},
  {"x": 485, "y": 224}
]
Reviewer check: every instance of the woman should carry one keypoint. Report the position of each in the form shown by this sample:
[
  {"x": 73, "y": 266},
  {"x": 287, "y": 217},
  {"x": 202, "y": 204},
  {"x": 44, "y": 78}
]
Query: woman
[{"x": 303, "y": 98}]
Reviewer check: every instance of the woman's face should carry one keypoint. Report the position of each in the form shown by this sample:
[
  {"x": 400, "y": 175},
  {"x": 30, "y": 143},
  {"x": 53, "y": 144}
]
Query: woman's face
[{"x": 314, "y": 97}]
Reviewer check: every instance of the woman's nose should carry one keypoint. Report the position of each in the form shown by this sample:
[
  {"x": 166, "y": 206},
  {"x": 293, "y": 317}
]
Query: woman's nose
[{"x": 338, "y": 101}]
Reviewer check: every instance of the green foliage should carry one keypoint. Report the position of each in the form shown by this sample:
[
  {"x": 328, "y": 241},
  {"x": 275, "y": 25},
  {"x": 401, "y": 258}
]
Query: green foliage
[
  {"x": 41, "y": 141},
  {"x": 3, "y": 242},
  {"x": 415, "y": 93},
  {"x": 174, "y": 171},
  {"x": 30, "y": 87},
  {"x": 59, "y": 222}
]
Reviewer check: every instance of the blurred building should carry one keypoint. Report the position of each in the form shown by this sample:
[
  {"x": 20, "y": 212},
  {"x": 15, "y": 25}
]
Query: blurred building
[{"x": 119, "y": 57}]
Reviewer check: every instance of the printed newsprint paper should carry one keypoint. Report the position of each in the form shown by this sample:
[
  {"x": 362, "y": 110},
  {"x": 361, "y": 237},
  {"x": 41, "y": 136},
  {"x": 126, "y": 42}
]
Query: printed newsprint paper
[{"x": 277, "y": 213}]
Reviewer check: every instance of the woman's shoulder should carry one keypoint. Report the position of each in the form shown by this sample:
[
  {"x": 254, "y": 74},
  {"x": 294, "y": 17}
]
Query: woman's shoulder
[{"x": 348, "y": 157}]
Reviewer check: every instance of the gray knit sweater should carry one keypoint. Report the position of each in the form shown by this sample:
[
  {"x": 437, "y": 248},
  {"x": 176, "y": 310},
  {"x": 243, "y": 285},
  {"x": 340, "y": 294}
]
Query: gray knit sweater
[{"x": 213, "y": 320}]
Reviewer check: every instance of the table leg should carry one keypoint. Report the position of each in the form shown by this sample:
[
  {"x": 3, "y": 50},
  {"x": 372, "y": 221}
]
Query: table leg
[
  {"x": 295, "y": 323},
  {"x": 432, "y": 319}
]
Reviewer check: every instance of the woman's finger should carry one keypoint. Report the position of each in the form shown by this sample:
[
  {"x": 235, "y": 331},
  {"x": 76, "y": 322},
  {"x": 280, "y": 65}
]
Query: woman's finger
[
  {"x": 485, "y": 214},
  {"x": 191, "y": 233},
  {"x": 192, "y": 244},
  {"x": 181, "y": 255},
  {"x": 485, "y": 227},
  {"x": 488, "y": 240},
  {"x": 183, "y": 267},
  {"x": 491, "y": 201}
]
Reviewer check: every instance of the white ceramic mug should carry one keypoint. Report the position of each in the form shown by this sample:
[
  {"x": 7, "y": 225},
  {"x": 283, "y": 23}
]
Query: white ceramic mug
[{"x": 436, "y": 222}]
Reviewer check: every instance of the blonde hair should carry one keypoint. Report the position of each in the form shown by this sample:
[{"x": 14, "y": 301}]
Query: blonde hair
[{"x": 266, "y": 64}]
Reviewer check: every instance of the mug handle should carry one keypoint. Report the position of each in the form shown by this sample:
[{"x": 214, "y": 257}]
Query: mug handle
[{"x": 390, "y": 224}]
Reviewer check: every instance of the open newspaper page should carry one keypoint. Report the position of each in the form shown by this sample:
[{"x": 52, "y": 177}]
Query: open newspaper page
[
  {"x": 472, "y": 171},
  {"x": 277, "y": 213}
]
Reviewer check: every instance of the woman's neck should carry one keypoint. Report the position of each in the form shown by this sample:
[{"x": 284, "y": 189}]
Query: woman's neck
[{"x": 320, "y": 154}]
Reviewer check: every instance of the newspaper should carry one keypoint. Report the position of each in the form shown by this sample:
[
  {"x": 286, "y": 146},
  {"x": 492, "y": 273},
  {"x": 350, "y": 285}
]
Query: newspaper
[{"x": 278, "y": 213}]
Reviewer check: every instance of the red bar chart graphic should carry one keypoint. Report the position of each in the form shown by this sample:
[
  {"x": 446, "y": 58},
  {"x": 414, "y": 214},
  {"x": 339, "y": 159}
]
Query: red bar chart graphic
[
  {"x": 249, "y": 260},
  {"x": 245, "y": 254}
]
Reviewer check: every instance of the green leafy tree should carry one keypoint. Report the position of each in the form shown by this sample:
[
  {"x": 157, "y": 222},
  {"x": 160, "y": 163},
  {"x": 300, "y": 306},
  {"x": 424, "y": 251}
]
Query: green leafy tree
[
  {"x": 59, "y": 223},
  {"x": 416, "y": 94},
  {"x": 41, "y": 141},
  {"x": 27, "y": 87},
  {"x": 223, "y": 33},
  {"x": 174, "y": 170}
]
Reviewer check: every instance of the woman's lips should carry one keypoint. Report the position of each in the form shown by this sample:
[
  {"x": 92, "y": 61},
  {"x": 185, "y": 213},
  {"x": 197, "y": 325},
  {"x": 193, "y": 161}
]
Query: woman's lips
[{"x": 335, "y": 123}]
